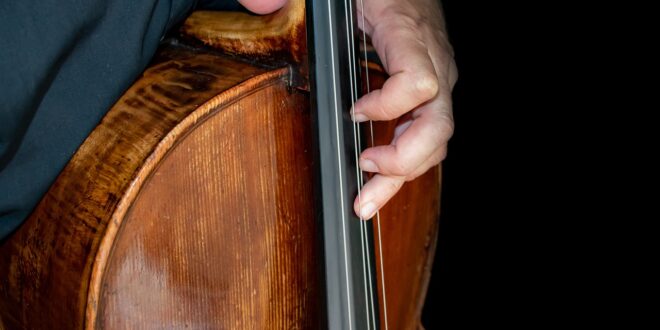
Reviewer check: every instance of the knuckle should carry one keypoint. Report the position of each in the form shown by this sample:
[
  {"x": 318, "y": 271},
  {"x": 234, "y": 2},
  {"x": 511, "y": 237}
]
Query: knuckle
[
  {"x": 445, "y": 130},
  {"x": 440, "y": 156},
  {"x": 452, "y": 74},
  {"x": 442, "y": 128},
  {"x": 426, "y": 85}
]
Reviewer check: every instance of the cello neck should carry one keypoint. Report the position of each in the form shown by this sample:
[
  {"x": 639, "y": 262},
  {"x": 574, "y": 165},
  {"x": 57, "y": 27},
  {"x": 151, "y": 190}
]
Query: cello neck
[{"x": 351, "y": 298}]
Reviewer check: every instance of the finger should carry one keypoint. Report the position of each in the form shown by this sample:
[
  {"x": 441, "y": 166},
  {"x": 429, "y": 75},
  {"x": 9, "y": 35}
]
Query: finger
[
  {"x": 435, "y": 159},
  {"x": 412, "y": 81},
  {"x": 380, "y": 189},
  {"x": 427, "y": 134},
  {"x": 375, "y": 194}
]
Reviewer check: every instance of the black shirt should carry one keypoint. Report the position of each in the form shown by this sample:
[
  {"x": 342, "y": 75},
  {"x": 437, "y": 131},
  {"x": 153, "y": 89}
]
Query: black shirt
[{"x": 63, "y": 64}]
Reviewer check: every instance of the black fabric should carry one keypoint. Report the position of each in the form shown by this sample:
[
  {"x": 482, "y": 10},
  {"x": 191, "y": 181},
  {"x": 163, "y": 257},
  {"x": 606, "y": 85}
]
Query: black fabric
[{"x": 63, "y": 63}]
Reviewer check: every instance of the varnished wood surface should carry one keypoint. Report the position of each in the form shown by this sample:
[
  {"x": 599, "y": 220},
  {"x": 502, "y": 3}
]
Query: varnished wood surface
[
  {"x": 46, "y": 266},
  {"x": 222, "y": 235},
  {"x": 409, "y": 227}
]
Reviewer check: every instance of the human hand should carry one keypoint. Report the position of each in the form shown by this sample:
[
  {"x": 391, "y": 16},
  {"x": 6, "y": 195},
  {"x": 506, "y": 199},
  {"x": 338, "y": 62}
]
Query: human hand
[{"x": 410, "y": 38}]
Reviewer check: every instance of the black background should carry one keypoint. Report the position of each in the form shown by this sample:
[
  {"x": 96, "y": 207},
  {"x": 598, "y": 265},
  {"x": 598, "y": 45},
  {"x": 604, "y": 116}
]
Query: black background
[
  {"x": 481, "y": 274},
  {"x": 540, "y": 222}
]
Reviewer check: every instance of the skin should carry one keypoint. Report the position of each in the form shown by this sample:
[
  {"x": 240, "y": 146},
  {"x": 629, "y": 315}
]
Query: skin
[{"x": 410, "y": 38}]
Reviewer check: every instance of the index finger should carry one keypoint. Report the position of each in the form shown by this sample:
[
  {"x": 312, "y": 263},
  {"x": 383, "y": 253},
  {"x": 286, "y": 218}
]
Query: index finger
[
  {"x": 429, "y": 131},
  {"x": 413, "y": 78}
]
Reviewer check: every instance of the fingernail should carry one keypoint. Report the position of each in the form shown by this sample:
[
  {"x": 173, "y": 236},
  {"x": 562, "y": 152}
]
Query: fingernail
[
  {"x": 368, "y": 210},
  {"x": 368, "y": 165},
  {"x": 359, "y": 117}
]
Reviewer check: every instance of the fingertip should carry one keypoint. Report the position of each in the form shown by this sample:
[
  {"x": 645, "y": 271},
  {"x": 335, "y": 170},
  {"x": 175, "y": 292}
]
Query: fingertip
[
  {"x": 378, "y": 190},
  {"x": 368, "y": 211},
  {"x": 364, "y": 211},
  {"x": 359, "y": 117}
]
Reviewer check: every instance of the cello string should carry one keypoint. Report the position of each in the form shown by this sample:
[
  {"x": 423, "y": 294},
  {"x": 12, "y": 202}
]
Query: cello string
[
  {"x": 341, "y": 189},
  {"x": 371, "y": 130},
  {"x": 356, "y": 132}
]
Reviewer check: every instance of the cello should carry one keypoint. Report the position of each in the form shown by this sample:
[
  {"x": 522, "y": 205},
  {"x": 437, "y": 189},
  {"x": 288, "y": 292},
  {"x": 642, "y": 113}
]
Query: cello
[{"x": 217, "y": 193}]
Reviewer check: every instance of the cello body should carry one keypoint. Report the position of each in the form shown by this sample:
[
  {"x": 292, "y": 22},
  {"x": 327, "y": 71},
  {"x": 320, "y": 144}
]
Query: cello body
[{"x": 191, "y": 205}]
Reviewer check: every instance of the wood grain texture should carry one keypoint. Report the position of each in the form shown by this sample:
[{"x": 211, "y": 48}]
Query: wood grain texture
[
  {"x": 222, "y": 235},
  {"x": 46, "y": 266}
]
